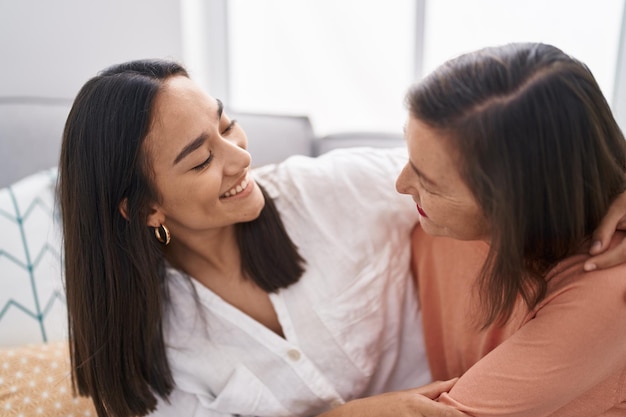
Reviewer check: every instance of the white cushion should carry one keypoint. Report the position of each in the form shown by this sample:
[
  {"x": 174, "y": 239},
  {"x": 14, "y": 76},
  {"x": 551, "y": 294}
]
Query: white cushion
[{"x": 32, "y": 300}]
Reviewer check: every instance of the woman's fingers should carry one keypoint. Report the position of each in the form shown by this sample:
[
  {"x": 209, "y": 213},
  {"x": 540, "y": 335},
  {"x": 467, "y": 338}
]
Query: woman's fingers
[
  {"x": 435, "y": 389},
  {"x": 615, "y": 256},
  {"x": 615, "y": 219},
  {"x": 415, "y": 402},
  {"x": 430, "y": 408},
  {"x": 435, "y": 409}
]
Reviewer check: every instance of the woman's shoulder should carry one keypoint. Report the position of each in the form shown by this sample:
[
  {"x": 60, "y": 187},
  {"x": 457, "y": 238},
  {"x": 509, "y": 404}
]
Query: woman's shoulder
[{"x": 602, "y": 289}]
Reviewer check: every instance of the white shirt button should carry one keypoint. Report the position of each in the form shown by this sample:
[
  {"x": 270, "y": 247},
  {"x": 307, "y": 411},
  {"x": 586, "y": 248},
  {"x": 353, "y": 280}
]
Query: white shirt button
[{"x": 294, "y": 354}]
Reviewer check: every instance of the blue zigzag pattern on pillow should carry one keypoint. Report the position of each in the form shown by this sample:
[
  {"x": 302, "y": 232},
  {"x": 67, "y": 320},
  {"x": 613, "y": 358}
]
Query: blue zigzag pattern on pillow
[{"x": 40, "y": 313}]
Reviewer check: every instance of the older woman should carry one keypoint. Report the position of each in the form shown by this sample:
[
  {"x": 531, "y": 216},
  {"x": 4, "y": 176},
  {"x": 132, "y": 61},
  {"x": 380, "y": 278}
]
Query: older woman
[{"x": 514, "y": 157}]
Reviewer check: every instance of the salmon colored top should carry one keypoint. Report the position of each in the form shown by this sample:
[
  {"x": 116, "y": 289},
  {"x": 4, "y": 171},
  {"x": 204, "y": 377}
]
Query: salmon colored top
[{"x": 567, "y": 357}]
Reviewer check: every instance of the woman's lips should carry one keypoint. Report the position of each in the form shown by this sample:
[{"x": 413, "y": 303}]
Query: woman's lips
[{"x": 421, "y": 211}]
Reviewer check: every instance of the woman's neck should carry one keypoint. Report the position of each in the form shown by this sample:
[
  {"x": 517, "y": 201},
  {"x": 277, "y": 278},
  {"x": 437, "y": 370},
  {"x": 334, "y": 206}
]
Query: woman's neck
[{"x": 214, "y": 254}]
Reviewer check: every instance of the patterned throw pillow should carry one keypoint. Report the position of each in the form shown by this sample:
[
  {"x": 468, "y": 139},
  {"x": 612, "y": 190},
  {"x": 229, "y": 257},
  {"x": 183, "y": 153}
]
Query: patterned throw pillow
[
  {"x": 35, "y": 381},
  {"x": 32, "y": 300}
]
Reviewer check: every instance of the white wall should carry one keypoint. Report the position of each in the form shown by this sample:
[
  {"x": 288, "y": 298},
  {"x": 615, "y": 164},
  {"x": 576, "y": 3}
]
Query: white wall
[{"x": 50, "y": 48}]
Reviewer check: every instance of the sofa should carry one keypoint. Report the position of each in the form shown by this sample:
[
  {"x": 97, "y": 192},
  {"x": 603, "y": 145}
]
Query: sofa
[{"x": 34, "y": 360}]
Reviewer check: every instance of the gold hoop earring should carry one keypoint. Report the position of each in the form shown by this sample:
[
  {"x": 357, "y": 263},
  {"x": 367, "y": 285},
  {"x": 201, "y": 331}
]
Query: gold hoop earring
[{"x": 162, "y": 234}]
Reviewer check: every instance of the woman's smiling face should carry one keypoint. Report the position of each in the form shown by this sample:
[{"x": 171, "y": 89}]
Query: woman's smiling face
[
  {"x": 199, "y": 162},
  {"x": 446, "y": 205}
]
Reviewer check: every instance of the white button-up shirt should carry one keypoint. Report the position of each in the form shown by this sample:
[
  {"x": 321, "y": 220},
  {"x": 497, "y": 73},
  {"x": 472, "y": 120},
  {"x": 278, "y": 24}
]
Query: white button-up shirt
[{"x": 352, "y": 325}]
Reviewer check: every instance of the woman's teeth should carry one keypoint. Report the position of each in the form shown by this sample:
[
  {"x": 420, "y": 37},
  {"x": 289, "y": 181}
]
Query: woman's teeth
[{"x": 237, "y": 189}]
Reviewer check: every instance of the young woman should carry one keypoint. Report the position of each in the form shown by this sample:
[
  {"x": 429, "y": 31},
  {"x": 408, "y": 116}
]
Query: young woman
[
  {"x": 514, "y": 158},
  {"x": 198, "y": 287}
]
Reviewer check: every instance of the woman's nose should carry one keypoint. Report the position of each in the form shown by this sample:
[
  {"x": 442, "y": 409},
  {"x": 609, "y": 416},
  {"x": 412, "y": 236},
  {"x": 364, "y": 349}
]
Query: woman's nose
[
  {"x": 236, "y": 158},
  {"x": 403, "y": 181}
]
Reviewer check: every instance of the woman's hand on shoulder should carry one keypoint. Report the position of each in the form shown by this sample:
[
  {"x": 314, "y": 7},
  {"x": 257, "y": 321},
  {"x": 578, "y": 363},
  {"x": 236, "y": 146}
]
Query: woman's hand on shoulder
[
  {"x": 416, "y": 402},
  {"x": 615, "y": 219}
]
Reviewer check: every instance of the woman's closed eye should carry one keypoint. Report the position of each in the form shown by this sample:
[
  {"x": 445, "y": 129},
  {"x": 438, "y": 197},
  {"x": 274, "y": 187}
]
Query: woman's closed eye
[
  {"x": 204, "y": 164},
  {"x": 425, "y": 188},
  {"x": 229, "y": 128},
  {"x": 224, "y": 132}
]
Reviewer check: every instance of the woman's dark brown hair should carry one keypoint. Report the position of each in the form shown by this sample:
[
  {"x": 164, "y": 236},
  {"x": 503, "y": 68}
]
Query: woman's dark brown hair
[
  {"x": 540, "y": 150},
  {"x": 114, "y": 266}
]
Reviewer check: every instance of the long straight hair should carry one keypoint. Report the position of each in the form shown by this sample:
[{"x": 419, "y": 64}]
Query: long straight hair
[
  {"x": 114, "y": 266},
  {"x": 540, "y": 150}
]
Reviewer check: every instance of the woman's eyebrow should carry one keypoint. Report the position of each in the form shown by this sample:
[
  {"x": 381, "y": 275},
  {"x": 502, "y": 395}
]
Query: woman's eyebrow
[
  {"x": 220, "y": 109},
  {"x": 197, "y": 142},
  {"x": 192, "y": 146}
]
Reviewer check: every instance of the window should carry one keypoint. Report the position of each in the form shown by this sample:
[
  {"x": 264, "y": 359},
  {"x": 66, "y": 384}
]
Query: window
[
  {"x": 348, "y": 63},
  {"x": 587, "y": 30}
]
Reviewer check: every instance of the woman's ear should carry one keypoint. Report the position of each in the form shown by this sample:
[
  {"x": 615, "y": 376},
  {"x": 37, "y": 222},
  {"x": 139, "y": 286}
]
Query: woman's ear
[
  {"x": 156, "y": 217},
  {"x": 123, "y": 207}
]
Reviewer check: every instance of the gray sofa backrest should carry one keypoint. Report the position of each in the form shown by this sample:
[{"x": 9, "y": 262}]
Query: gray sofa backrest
[{"x": 31, "y": 131}]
